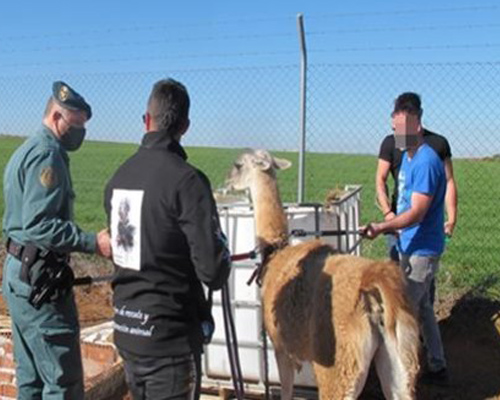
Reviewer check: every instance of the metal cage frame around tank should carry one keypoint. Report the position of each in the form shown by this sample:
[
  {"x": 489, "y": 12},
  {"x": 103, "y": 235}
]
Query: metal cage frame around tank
[{"x": 344, "y": 213}]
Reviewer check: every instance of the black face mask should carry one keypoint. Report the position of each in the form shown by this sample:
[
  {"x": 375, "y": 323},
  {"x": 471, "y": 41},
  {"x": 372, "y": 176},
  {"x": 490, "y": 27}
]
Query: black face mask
[
  {"x": 73, "y": 138},
  {"x": 404, "y": 142}
]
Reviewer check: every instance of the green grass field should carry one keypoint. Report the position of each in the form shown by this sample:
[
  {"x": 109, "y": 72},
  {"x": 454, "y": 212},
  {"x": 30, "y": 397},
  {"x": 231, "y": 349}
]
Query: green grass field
[{"x": 471, "y": 261}]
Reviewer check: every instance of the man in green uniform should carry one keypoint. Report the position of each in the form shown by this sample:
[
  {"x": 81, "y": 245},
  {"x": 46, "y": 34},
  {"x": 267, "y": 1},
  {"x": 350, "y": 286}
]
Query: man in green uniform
[{"x": 40, "y": 234}]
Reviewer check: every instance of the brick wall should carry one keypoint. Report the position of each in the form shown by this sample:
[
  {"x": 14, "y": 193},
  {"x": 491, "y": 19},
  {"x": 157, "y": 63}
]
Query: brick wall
[{"x": 104, "y": 356}]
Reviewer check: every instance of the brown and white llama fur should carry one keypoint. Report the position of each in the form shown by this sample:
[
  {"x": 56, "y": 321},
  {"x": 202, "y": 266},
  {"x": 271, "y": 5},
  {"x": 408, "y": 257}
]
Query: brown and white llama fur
[{"x": 338, "y": 312}]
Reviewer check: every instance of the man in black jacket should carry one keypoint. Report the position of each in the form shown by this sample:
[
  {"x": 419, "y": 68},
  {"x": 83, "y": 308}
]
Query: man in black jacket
[{"x": 166, "y": 240}]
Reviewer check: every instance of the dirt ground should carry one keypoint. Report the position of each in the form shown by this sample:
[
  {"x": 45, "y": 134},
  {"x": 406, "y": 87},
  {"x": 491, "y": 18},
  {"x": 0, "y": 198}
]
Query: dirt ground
[
  {"x": 470, "y": 328},
  {"x": 471, "y": 334}
]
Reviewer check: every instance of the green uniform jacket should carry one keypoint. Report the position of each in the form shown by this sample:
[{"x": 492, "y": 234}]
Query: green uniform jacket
[{"x": 39, "y": 197}]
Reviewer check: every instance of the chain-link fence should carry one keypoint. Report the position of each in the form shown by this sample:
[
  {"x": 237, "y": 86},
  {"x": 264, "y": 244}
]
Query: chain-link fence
[
  {"x": 230, "y": 109},
  {"x": 349, "y": 110},
  {"x": 348, "y": 114}
]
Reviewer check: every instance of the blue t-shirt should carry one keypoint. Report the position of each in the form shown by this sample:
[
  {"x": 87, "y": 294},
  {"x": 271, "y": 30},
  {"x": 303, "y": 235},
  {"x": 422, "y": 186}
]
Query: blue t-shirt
[{"x": 424, "y": 173}]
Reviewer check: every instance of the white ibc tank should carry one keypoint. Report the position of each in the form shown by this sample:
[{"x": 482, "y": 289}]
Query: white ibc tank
[{"x": 237, "y": 221}]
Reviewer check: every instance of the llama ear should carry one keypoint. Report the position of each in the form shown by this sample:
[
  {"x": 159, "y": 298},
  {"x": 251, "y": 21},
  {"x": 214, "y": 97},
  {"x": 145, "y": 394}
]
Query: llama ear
[
  {"x": 262, "y": 159},
  {"x": 281, "y": 163},
  {"x": 263, "y": 163}
]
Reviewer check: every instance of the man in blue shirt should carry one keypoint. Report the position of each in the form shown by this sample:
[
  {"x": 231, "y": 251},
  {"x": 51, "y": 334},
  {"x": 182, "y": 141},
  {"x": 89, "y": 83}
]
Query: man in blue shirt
[
  {"x": 389, "y": 162},
  {"x": 420, "y": 220}
]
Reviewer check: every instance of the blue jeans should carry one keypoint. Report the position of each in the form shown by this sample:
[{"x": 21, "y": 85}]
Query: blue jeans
[
  {"x": 163, "y": 378},
  {"x": 393, "y": 253},
  {"x": 420, "y": 271}
]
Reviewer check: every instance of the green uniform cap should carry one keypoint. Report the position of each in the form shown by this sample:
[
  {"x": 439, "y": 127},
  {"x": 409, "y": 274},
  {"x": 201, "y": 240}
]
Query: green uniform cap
[{"x": 66, "y": 97}]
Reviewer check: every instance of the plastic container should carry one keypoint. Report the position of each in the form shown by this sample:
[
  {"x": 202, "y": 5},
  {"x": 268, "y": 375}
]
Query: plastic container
[{"x": 237, "y": 221}]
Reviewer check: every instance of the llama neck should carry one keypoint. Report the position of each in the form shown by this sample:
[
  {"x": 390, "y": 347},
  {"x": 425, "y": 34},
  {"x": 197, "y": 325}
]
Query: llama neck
[{"x": 270, "y": 219}]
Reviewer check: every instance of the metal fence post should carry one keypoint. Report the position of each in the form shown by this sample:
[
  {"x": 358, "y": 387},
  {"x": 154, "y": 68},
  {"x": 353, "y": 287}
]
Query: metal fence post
[{"x": 303, "y": 84}]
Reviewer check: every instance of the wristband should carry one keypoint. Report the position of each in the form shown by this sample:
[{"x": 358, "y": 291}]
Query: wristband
[{"x": 387, "y": 213}]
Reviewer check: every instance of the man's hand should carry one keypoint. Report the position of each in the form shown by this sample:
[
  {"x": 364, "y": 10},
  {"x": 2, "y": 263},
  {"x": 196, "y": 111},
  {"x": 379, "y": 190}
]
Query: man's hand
[
  {"x": 104, "y": 243},
  {"x": 449, "y": 227},
  {"x": 370, "y": 231}
]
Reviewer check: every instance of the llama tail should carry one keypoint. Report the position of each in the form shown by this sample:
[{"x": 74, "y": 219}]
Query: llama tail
[
  {"x": 391, "y": 316},
  {"x": 383, "y": 287}
]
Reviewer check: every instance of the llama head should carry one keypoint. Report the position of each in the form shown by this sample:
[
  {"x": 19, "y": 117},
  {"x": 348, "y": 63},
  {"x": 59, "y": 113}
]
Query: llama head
[{"x": 252, "y": 163}]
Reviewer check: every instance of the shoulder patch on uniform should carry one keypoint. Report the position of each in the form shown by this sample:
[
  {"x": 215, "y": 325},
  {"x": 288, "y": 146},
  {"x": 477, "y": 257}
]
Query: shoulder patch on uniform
[{"x": 48, "y": 177}]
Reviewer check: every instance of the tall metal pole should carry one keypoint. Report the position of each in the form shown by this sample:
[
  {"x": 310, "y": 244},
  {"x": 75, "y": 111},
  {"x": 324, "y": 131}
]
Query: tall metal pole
[{"x": 303, "y": 83}]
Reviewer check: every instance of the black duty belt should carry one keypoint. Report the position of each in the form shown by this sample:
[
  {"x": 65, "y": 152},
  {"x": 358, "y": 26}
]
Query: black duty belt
[{"x": 14, "y": 249}]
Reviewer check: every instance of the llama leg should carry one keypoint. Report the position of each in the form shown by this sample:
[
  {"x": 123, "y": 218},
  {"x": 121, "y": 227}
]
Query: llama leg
[
  {"x": 389, "y": 368},
  {"x": 334, "y": 384},
  {"x": 328, "y": 381},
  {"x": 346, "y": 379},
  {"x": 397, "y": 378},
  {"x": 286, "y": 372},
  {"x": 366, "y": 351}
]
